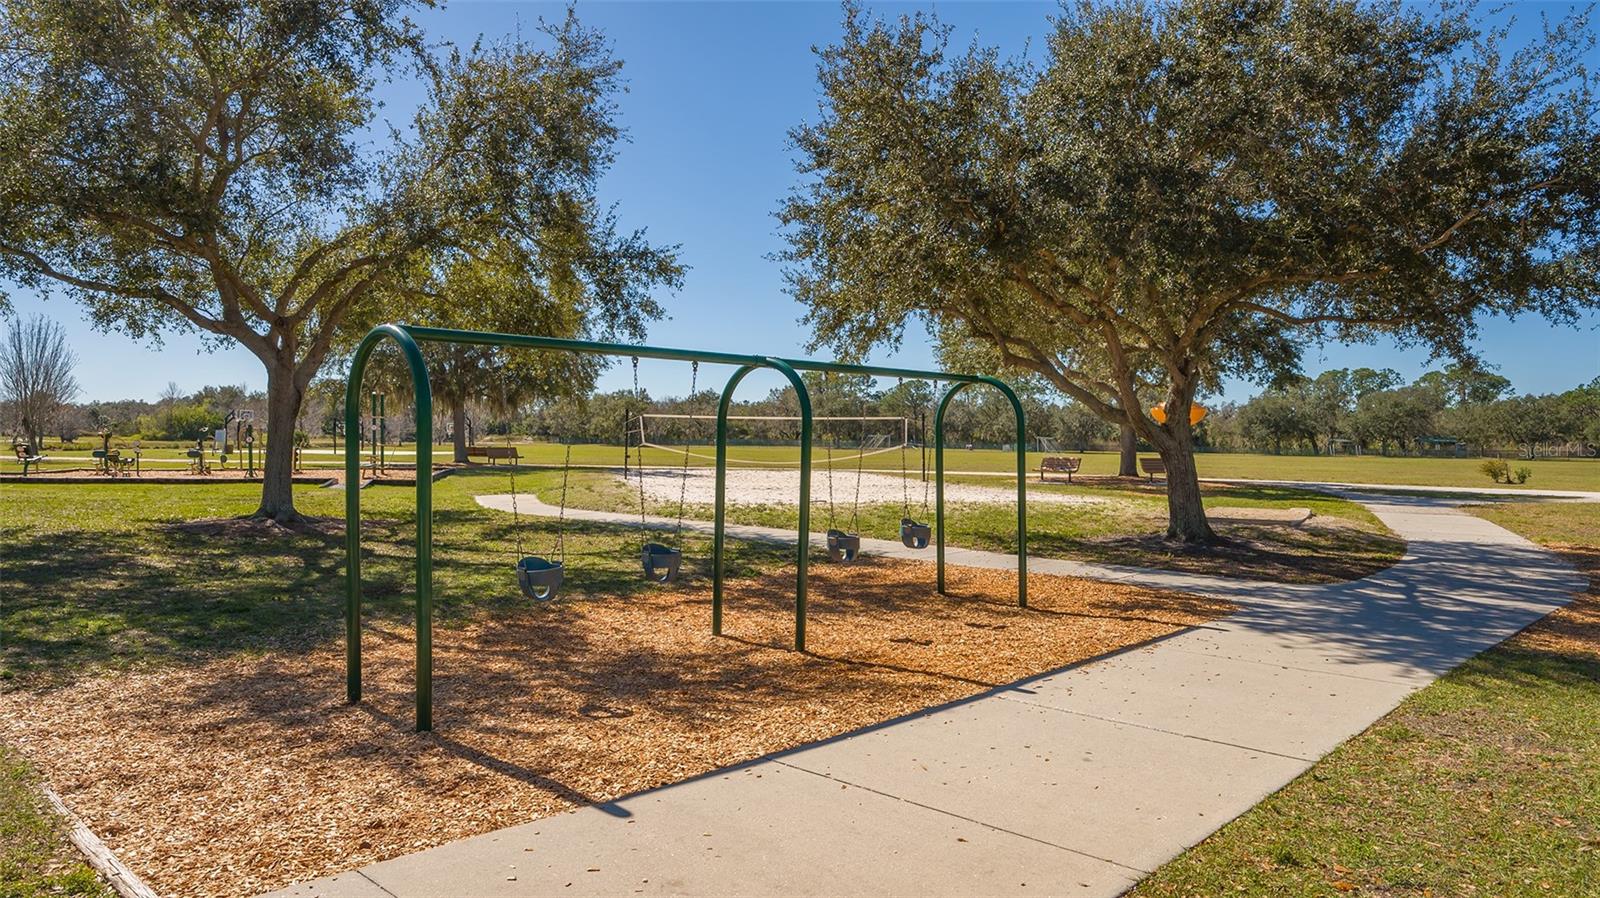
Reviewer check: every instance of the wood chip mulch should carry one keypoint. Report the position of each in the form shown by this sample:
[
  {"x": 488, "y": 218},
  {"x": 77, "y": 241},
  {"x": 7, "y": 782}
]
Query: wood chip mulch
[{"x": 245, "y": 774}]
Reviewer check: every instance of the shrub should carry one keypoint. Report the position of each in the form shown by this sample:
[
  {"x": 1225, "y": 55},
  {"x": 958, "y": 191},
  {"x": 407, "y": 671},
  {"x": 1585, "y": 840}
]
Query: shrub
[
  {"x": 1522, "y": 474},
  {"x": 1497, "y": 470}
]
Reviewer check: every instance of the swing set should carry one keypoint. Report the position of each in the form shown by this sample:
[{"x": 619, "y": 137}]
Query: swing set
[{"x": 540, "y": 577}]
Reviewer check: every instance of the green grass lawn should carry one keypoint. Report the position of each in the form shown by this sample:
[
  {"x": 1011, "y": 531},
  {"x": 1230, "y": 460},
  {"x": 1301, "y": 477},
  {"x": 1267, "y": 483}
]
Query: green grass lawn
[
  {"x": 36, "y": 860},
  {"x": 108, "y": 576},
  {"x": 1485, "y": 783},
  {"x": 1345, "y": 542},
  {"x": 1548, "y": 474}
]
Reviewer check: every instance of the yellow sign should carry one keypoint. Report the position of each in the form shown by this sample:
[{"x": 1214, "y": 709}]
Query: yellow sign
[{"x": 1197, "y": 413}]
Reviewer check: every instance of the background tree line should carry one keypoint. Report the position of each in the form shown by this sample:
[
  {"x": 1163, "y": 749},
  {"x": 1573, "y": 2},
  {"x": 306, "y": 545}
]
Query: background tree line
[{"x": 1459, "y": 410}]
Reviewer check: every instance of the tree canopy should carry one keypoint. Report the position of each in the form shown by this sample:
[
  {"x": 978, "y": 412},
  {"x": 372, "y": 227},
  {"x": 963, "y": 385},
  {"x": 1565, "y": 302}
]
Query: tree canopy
[
  {"x": 212, "y": 166},
  {"x": 1179, "y": 192}
]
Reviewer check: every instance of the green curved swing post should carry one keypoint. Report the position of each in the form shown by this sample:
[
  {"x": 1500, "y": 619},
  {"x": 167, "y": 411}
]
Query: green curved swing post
[
  {"x": 1022, "y": 480},
  {"x": 407, "y": 337}
]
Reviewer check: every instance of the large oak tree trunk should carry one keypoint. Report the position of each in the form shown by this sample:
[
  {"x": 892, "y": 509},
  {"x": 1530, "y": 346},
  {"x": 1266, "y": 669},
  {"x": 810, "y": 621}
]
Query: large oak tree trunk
[
  {"x": 1186, "y": 513},
  {"x": 277, "y": 478},
  {"x": 1128, "y": 465},
  {"x": 458, "y": 430}
]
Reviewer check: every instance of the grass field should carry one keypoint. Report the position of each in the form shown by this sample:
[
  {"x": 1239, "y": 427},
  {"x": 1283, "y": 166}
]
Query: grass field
[
  {"x": 1485, "y": 783},
  {"x": 36, "y": 860},
  {"x": 122, "y": 580},
  {"x": 1345, "y": 542},
  {"x": 110, "y": 575},
  {"x": 1548, "y": 474}
]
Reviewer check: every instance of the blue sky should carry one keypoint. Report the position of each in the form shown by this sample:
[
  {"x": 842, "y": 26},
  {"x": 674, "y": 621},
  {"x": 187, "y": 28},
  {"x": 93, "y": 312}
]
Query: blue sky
[{"x": 713, "y": 89}]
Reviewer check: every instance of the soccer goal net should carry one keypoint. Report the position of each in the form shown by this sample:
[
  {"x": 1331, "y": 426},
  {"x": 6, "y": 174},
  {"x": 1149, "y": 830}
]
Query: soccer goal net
[{"x": 770, "y": 439}]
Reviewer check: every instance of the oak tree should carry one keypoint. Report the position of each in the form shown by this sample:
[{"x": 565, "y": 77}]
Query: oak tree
[
  {"x": 216, "y": 166},
  {"x": 1174, "y": 193}
]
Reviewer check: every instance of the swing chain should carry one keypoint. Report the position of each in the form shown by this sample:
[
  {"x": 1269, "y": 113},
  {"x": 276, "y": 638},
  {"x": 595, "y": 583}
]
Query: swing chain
[
  {"x": 683, "y": 482},
  {"x": 925, "y": 453},
  {"x": 905, "y": 486},
  {"x": 638, "y": 395},
  {"x": 861, "y": 458},
  {"x": 516, "y": 516},
  {"x": 561, "y": 517},
  {"x": 828, "y": 447}
]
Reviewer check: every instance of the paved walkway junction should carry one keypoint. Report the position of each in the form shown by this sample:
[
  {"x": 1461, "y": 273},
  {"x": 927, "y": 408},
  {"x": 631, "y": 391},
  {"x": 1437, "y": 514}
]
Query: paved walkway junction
[{"x": 1076, "y": 782}]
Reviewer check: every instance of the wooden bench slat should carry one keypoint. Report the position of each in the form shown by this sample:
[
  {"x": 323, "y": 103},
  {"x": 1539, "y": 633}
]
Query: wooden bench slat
[
  {"x": 1057, "y": 464},
  {"x": 489, "y": 453}
]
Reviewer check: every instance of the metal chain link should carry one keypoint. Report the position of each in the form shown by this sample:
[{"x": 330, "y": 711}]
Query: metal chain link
[
  {"x": 683, "y": 482},
  {"x": 925, "y": 480},
  {"x": 828, "y": 447},
  {"x": 516, "y": 516},
  {"x": 561, "y": 517},
  {"x": 861, "y": 458},
  {"x": 638, "y": 395},
  {"x": 905, "y": 486}
]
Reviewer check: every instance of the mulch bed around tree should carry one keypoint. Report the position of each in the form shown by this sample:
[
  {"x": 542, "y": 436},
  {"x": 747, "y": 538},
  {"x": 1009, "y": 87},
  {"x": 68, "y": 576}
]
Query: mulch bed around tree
[{"x": 247, "y": 773}]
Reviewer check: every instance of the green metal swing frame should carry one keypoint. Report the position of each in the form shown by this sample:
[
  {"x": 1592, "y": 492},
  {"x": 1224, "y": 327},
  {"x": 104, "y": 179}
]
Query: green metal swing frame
[{"x": 408, "y": 337}]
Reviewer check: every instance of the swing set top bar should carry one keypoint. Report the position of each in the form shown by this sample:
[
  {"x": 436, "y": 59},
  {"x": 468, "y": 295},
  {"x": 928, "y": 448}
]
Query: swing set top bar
[
  {"x": 774, "y": 417},
  {"x": 594, "y": 347},
  {"x": 408, "y": 336}
]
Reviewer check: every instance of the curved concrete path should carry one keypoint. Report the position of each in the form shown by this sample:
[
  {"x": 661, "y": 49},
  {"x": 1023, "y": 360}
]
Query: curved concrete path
[{"x": 1075, "y": 782}]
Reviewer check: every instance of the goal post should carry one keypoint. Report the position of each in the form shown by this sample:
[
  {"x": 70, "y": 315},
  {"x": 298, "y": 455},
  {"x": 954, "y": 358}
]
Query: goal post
[{"x": 656, "y": 430}]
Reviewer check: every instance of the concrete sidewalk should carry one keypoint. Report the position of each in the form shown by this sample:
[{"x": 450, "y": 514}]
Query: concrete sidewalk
[{"x": 1075, "y": 782}]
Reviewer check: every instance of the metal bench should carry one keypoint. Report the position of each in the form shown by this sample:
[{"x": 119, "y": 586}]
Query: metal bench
[
  {"x": 1152, "y": 467},
  {"x": 1056, "y": 464}
]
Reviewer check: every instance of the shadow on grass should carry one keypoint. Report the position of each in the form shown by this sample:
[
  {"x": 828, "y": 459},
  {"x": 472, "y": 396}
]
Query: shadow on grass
[
  {"x": 1309, "y": 554},
  {"x": 81, "y": 600}
]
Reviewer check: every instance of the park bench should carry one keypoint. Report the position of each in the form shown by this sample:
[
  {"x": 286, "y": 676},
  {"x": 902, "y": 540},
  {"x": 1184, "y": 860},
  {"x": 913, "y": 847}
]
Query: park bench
[
  {"x": 491, "y": 453},
  {"x": 1152, "y": 467},
  {"x": 27, "y": 456},
  {"x": 1057, "y": 464}
]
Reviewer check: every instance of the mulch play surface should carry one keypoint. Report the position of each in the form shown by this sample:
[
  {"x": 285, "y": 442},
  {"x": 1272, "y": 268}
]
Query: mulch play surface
[{"x": 247, "y": 773}]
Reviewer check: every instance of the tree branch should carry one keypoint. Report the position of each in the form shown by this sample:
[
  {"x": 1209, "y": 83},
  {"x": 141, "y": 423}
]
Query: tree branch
[{"x": 252, "y": 340}]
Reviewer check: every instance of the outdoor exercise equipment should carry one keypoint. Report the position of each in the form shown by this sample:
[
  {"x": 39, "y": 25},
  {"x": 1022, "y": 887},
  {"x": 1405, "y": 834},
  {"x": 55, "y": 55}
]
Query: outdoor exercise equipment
[
  {"x": 198, "y": 463},
  {"x": 538, "y": 577},
  {"x": 27, "y": 456},
  {"x": 407, "y": 338},
  {"x": 913, "y": 534},
  {"x": 244, "y": 439}
]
